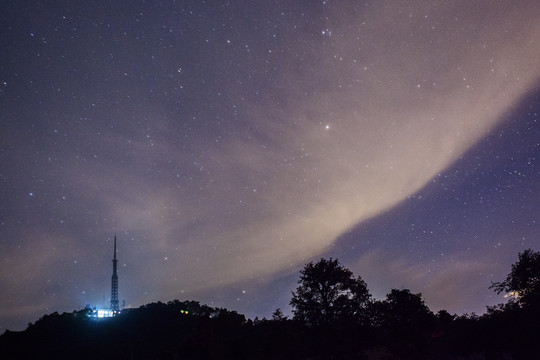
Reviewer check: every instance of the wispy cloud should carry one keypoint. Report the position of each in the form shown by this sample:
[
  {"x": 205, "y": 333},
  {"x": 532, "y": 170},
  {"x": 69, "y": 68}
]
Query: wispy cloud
[
  {"x": 445, "y": 283},
  {"x": 356, "y": 116}
]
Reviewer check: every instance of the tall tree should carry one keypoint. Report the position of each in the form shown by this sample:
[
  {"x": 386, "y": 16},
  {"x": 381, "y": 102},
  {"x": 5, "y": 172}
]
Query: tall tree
[
  {"x": 524, "y": 279},
  {"x": 404, "y": 308},
  {"x": 328, "y": 292}
]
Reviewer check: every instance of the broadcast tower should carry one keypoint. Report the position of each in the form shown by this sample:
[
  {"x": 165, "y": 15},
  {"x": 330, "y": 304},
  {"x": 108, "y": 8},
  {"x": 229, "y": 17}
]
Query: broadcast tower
[{"x": 114, "y": 282}]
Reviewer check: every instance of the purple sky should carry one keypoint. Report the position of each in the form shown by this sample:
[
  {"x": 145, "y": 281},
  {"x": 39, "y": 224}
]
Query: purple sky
[{"x": 226, "y": 144}]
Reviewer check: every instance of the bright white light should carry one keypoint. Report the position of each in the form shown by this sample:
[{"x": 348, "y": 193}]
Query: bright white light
[{"x": 103, "y": 313}]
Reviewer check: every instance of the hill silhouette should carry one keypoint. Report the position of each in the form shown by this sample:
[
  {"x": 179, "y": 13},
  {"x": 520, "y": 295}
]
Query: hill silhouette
[{"x": 350, "y": 325}]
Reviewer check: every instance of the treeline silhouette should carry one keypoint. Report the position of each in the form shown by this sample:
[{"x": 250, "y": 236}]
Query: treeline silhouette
[{"x": 335, "y": 317}]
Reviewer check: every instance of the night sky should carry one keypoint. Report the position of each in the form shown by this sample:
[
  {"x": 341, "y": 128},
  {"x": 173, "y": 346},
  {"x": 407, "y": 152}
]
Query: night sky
[{"x": 228, "y": 143}]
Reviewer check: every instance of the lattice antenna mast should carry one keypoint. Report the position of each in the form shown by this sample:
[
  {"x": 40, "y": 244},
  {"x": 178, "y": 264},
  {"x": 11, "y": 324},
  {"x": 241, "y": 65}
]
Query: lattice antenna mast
[{"x": 114, "y": 282}]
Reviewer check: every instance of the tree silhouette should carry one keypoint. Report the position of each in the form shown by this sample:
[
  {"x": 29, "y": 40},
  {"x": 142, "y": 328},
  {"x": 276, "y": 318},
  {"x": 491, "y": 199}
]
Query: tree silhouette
[
  {"x": 328, "y": 292},
  {"x": 277, "y": 315},
  {"x": 403, "y": 308},
  {"x": 523, "y": 280}
]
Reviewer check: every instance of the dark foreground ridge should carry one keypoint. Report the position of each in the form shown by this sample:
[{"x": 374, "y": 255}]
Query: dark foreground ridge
[
  {"x": 166, "y": 331},
  {"x": 334, "y": 318}
]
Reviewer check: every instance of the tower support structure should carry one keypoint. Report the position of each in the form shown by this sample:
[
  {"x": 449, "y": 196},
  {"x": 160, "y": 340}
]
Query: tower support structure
[{"x": 114, "y": 282}]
